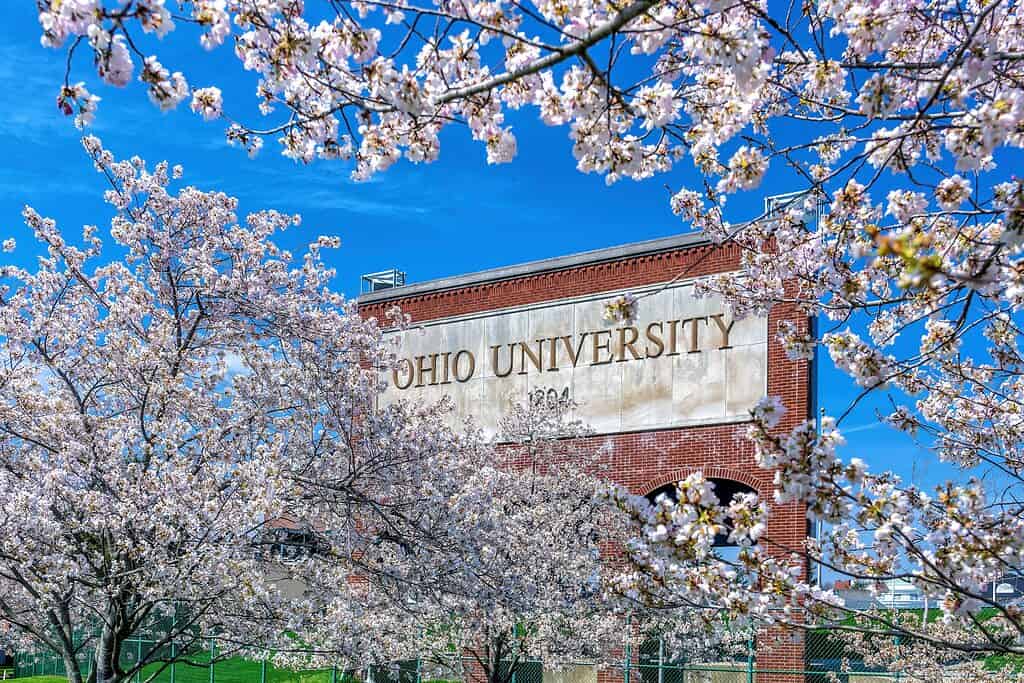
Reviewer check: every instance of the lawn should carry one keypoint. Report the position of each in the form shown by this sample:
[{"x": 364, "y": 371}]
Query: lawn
[
  {"x": 235, "y": 670},
  {"x": 238, "y": 670}
]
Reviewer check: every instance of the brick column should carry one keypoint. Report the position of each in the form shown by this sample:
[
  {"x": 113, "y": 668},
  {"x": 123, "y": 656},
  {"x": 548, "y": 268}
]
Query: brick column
[{"x": 780, "y": 651}]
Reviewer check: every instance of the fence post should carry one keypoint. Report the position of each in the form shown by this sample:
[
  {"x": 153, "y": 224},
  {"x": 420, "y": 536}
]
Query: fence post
[
  {"x": 334, "y": 674},
  {"x": 661, "y": 660},
  {"x": 750, "y": 660},
  {"x": 138, "y": 661},
  {"x": 263, "y": 670},
  {"x": 629, "y": 655},
  {"x": 897, "y": 654},
  {"x": 213, "y": 655},
  {"x": 174, "y": 629}
]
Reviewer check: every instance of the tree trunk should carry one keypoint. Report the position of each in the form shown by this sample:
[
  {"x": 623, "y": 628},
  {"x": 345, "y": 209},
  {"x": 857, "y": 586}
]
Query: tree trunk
[
  {"x": 105, "y": 658},
  {"x": 496, "y": 672},
  {"x": 71, "y": 667}
]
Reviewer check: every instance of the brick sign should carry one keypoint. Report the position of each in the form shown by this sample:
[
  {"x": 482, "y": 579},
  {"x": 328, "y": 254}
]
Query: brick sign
[{"x": 683, "y": 361}]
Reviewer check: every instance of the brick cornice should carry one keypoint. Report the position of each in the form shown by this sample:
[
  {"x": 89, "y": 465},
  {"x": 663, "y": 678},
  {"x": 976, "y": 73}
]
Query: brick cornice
[{"x": 593, "y": 278}]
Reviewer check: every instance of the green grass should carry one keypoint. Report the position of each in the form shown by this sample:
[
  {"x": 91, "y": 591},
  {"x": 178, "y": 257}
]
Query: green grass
[
  {"x": 229, "y": 671},
  {"x": 234, "y": 670},
  {"x": 1005, "y": 662}
]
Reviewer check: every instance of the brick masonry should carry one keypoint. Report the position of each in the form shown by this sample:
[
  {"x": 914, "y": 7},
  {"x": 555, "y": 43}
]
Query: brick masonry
[{"x": 643, "y": 461}]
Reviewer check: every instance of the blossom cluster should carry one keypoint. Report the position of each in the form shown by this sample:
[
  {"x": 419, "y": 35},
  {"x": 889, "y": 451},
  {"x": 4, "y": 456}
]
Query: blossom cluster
[{"x": 640, "y": 85}]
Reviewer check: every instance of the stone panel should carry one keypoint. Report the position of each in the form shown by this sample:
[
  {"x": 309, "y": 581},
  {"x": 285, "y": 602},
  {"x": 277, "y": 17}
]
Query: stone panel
[{"x": 671, "y": 367}]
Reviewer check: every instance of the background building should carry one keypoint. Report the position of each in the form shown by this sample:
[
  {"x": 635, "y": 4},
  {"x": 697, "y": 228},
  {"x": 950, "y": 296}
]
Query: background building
[{"x": 670, "y": 393}]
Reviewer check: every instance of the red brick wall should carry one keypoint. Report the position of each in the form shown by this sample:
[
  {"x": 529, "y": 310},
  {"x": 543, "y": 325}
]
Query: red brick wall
[
  {"x": 643, "y": 461},
  {"x": 569, "y": 282}
]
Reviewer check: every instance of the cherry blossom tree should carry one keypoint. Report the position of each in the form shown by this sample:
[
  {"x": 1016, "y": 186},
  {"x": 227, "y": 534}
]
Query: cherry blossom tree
[
  {"x": 164, "y": 399},
  {"x": 513, "y": 568},
  {"x": 533, "y": 587},
  {"x": 166, "y": 407},
  {"x": 953, "y": 545},
  {"x": 897, "y": 124},
  {"x": 513, "y": 555}
]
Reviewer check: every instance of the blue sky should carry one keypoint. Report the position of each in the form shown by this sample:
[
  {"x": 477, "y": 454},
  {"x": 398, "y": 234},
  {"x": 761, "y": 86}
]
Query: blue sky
[{"x": 453, "y": 216}]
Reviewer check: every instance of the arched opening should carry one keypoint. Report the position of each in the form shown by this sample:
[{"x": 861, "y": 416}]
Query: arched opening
[{"x": 725, "y": 489}]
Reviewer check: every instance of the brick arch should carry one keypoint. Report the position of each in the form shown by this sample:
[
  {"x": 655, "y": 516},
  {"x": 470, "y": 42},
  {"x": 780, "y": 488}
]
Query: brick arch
[{"x": 714, "y": 472}]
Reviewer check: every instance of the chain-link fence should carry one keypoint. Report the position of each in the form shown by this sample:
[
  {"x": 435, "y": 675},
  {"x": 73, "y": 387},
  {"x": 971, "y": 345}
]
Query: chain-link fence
[
  {"x": 808, "y": 656},
  {"x": 203, "y": 665}
]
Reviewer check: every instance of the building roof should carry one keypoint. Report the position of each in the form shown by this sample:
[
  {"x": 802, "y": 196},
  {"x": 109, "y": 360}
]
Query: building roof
[{"x": 663, "y": 244}]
